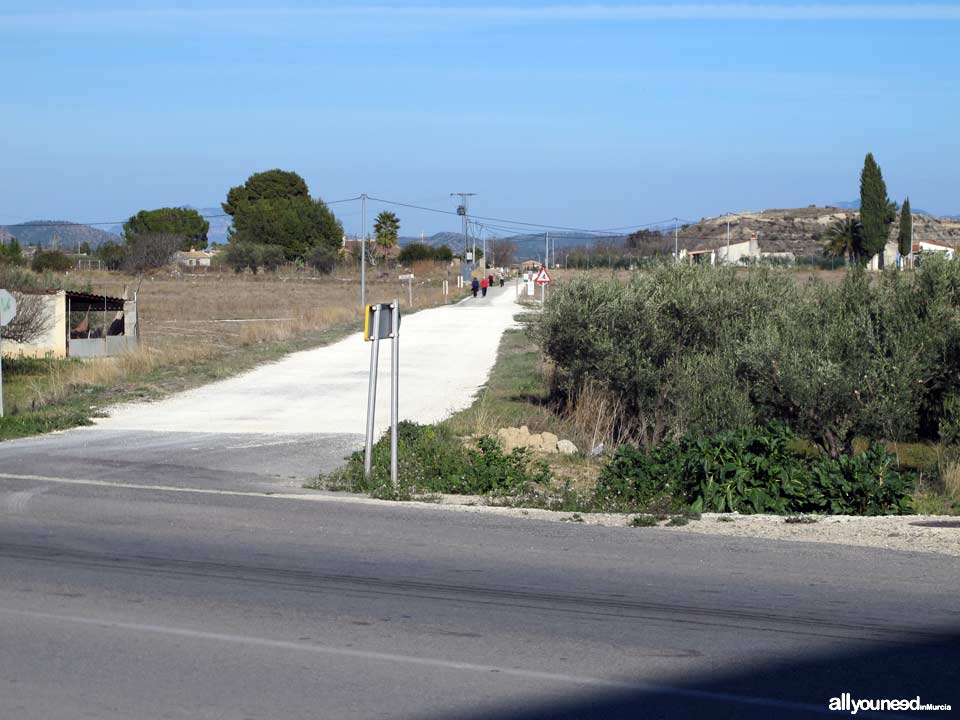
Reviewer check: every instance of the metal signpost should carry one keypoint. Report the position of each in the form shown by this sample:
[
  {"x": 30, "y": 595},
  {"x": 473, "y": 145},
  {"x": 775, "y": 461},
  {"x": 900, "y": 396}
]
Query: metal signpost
[
  {"x": 8, "y": 311},
  {"x": 380, "y": 322}
]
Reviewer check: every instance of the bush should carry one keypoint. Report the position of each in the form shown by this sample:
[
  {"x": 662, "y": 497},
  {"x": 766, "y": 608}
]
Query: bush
[
  {"x": 272, "y": 257},
  {"x": 323, "y": 260},
  {"x": 242, "y": 256},
  {"x": 432, "y": 459},
  {"x": 691, "y": 350},
  {"x": 418, "y": 252},
  {"x": 752, "y": 471},
  {"x": 11, "y": 253},
  {"x": 52, "y": 261}
]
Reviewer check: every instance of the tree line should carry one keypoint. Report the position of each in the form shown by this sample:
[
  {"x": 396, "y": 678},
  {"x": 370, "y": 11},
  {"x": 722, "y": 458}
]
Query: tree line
[{"x": 275, "y": 221}]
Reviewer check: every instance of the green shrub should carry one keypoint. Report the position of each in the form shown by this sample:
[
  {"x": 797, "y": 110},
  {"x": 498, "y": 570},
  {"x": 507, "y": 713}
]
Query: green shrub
[
  {"x": 863, "y": 484},
  {"x": 431, "y": 458},
  {"x": 751, "y": 471},
  {"x": 322, "y": 259},
  {"x": 697, "y": 350},
  {"x": 418, "y": 252},
  {"x": 52, "y": 261}
]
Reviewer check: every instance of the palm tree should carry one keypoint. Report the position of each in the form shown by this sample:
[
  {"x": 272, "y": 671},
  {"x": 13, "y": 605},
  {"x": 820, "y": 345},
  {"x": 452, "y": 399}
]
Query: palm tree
[
  {"x": 845, "y": 239},
  {"x": 387, "y": 229}
]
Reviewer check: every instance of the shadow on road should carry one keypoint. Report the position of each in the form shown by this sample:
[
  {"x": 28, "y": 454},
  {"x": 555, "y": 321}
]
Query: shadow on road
[{"x": 800, "y": 689}]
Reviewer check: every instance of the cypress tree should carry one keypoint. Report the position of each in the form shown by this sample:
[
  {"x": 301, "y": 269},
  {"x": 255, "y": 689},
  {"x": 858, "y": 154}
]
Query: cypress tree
[
  {"x": 874, "y": 209},
  {"x": 906, "y": 229}
]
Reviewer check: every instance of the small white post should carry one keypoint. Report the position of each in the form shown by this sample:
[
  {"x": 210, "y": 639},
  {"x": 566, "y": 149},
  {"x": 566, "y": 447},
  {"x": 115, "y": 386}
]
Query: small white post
[{"x": 394, "y": 395}]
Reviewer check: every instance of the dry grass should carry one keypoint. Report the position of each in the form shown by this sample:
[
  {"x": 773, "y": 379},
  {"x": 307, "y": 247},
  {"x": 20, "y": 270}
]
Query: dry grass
[
  {"x": 950, "y": 477},
  {"x": 595, "y": 414},
  {"x": 187, "y": 320}
]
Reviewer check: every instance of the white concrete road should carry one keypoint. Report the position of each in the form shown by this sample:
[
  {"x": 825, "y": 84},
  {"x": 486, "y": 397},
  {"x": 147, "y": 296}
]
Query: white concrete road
[
  {"x": 285, "y": 421},
  {"x": 445, "y": 356}
]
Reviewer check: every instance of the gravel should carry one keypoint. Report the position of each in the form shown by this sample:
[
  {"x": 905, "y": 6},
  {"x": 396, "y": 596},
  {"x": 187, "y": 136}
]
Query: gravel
[{"x": 917, "y": 533}]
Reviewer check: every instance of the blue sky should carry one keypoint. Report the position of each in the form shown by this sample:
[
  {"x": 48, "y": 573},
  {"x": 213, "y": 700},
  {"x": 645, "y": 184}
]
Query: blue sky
[{"x": 590, "y": 115}]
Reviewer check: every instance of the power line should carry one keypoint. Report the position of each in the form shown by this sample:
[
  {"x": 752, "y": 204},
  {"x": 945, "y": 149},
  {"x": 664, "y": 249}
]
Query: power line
[{"x": 506, "y": 221}]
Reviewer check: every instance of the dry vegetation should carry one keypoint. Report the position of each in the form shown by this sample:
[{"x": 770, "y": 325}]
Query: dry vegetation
[{"x": 199, "y": 327}]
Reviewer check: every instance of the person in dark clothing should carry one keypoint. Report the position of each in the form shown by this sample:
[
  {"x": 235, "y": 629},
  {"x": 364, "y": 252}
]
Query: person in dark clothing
[
  {"x": 483, "y": 287},
  {"x": 475, "y": 287},
  {"x": 490, "y": 280},
  {"x": 501, "y": 279}
]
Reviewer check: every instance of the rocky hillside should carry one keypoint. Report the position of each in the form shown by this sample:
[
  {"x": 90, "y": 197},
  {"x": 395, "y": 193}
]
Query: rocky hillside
[{"x": 800, "y": 230}]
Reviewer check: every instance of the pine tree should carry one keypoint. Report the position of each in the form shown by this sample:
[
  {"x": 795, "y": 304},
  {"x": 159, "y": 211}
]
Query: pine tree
[
  {"x": 875, "y": 206},
  {"x": 906, "y": 230}
]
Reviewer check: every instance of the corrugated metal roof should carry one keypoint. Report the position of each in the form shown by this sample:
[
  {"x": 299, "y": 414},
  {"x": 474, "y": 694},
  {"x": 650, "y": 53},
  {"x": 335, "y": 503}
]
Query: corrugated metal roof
[{"x": 81, "y": 301}]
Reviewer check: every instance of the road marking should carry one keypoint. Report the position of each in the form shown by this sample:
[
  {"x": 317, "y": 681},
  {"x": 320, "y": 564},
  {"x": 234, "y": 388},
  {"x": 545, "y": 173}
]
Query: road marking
[
  {"x": 559, "y": 678},
  {"x": 190, "y": 490}
]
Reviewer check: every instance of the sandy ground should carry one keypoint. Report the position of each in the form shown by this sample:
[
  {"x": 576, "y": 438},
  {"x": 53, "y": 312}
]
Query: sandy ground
[{"x": 445, "y": 355}]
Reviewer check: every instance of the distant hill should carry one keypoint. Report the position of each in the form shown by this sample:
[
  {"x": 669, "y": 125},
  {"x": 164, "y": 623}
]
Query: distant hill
[{"x": 57, "y": 233}]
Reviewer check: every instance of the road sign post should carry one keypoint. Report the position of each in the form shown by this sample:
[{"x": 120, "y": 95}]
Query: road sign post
[
  {"x": 8, "y": 311},
  {"x": 543, "y": 279},
  {"x": 381, "y": 322},
  {"x": 409, "y": 278}
]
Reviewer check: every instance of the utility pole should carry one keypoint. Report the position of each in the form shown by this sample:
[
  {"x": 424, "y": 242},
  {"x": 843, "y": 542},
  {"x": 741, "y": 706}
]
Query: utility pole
[
  {"x": 464, "y": 211},
  {"x": 483, "y": 240},
  {"x": 546, "y": 264},
  {"x": 728, "y": 239},
  {"x": 363, "y": 252},
  {"x": 676, "y": 240}
]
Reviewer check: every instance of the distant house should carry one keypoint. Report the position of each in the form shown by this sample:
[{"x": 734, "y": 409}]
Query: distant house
[
  {"x": 928, "y": 247},
  {"x": 194, "y": 258},
  {"x": 732, "y": 254}
]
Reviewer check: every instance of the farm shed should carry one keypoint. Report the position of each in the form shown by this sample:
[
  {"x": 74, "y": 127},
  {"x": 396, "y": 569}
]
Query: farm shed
[{"x": 81, "y": 325}]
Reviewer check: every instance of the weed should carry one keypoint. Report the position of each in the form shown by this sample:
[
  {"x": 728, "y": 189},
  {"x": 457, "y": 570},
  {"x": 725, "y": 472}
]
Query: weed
[
  {"x": 433, "y": 459},
  {"x": 575, "y": 518},
  {"x": 801, "y": 519},
  {"x": 724, "y": 518},
  {"x": 643, "y": 521},
  {"x": 677, "y": 521}
]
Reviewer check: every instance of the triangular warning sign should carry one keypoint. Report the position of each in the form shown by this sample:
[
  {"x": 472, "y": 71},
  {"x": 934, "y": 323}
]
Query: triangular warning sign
[{"x": 543, "y": 277}]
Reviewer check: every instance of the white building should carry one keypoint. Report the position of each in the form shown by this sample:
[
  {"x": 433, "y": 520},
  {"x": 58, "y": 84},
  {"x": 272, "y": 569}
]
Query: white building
[
  {"x": 82, "y": 325},
  {"x": 926, "y": 247},
  {"x": 733, "y": 254},
  {"x": 194, "y": 258}
]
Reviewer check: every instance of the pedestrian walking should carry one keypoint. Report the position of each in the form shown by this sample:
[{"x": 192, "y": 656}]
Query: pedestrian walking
[
  {"x": 501, "y": 279},
  {"x": 483, "y": 287},
  {"x": 475, "y": 287},
  {"x": 490, "y": 280}
]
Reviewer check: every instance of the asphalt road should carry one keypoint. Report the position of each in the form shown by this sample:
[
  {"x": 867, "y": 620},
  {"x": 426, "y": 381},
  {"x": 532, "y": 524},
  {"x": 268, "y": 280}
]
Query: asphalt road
[
  {"x": 119, "y": 602},
  {"x": 145, "y": 573}
]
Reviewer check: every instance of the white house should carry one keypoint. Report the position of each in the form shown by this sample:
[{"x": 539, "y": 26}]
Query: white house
[
  {"x": 732, "y": 254},
  {"x": 925, "y": 247},
  {"x": 194, "y": 258}
]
